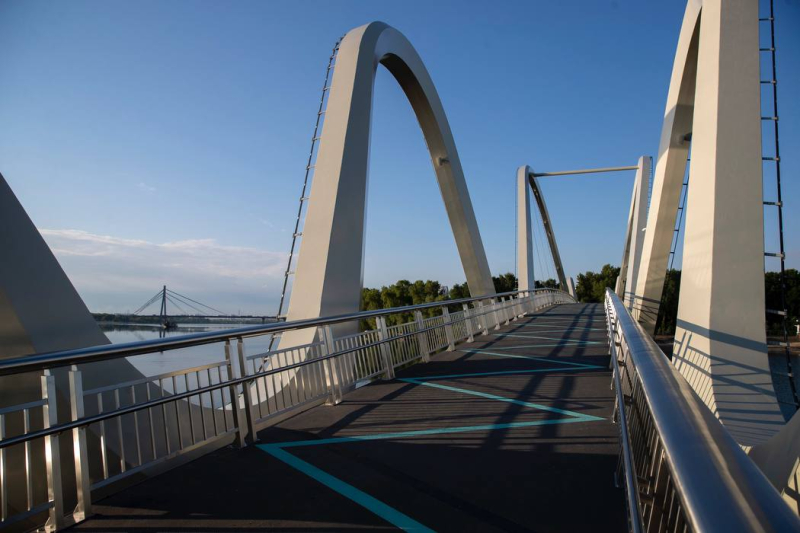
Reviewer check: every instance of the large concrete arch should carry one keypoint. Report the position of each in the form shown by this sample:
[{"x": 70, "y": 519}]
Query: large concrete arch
[
  {"x": 714, "y": 104},
  {"x": 330, "y": 265}
]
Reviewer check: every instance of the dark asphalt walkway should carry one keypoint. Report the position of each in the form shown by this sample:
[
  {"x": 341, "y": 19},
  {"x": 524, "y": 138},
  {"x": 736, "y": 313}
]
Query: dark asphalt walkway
[{"x": 509, "y": 433}]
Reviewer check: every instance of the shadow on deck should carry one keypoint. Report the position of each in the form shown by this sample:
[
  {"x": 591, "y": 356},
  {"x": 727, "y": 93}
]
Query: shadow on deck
[{"x": 508, "y": 433}]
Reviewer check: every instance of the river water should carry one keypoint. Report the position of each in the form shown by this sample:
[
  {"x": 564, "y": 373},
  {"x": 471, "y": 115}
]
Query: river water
[{"x": 159, "y": 363}]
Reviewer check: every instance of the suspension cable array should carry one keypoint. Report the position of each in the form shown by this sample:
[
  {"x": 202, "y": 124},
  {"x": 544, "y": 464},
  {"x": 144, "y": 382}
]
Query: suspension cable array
[
  {"x": 772, "y": 116},
  {"x": 309, "y": 170},
  {"x": 179, "y": 300}
]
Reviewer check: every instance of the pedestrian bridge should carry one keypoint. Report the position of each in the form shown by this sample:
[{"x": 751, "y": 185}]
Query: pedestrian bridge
[
  {"x": 519, "y": 411},
  {"x": 504, "y": 433},
  {"x": 475, "y": 414}
]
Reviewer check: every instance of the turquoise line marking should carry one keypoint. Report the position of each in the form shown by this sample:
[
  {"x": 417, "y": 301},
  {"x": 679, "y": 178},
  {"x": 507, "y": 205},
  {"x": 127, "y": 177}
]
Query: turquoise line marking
[
  {"x": 570, "y": 343},
  {"x": 390, "y": 514},
  {"x": 497, "y": 373},
  {"x": 503, "y": 399},
  {"x": 559, "y": 330},
  {"x": 529, "y": 357},
  {"x": 566, "y": 341},
  {"x": 426, "y": 432}
]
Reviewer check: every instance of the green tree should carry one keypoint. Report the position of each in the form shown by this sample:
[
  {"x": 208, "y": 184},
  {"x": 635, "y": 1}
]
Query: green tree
[
  {"x": 505, "y": 282},
  {"x": 772, "y": 290},
  {"x": 459, "y": 291},
  {"x": 668, "y": 310},
  {"x": 591, "y": 286}
]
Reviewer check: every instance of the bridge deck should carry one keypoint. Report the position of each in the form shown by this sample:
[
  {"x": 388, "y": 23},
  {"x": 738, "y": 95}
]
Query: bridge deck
[{"x": 509, "y": 433}]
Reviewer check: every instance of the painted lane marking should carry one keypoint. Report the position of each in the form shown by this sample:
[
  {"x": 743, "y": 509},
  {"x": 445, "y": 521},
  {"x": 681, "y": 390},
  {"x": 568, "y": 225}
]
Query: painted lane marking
[
  {"x": 386, "y": 512},
  {"x": 496, "y": 373},
  {"x": 581, "y": 328},
  {"x": 536, "y": 358},
  {"x": 504, "y": 399},
  {"x": 390, "y": 514},
  {"x": 545, "y": 338},
  {"x": 533, "y": 346},
  {"x": 578, "y": 417}
]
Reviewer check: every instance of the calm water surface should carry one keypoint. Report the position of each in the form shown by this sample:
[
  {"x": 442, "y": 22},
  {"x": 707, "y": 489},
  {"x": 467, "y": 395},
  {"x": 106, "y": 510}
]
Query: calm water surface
[{"x": 159, "y": 363}]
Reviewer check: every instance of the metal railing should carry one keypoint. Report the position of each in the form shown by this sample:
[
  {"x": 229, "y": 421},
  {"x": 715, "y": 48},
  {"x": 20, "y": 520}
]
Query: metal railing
[
  {"x": 148, "y": 424},
  {"x": 681, "y": 469}
]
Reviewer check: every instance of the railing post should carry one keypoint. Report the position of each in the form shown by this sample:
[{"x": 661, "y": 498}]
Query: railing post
[
  {"x": 236, "y": 409},
  {"x": 55, "y": 490},
  {"x": 422, "y": 340},
  {"x": 448, "y": 329},
  {"x": 484, "y": 316},
  {"x": 82, "y": 482},
  {"x": 506, "y": 309},
  {"x": 331, "y": 373},
  {"x": 468, "y": 322},
  {"x": 495, "y": 313},
  {"x": 386, "y": 350},
  {"x": 250, "y": 417}
]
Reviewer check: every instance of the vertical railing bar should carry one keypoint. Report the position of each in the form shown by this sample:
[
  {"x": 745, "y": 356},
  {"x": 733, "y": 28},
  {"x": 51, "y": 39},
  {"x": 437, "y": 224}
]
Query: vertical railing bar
[
  {"x": 52, "y": 453},
  {"x": 3, "y": 476},
  {"x": 164, "y": 415},
  {"x": 103, "y": 440},
  {"x": 213, "y": 407},
  {"x": 238, "y": 422},
  {"x": 222, "y": 400},
  {"x": 150, "y": 421},
  {"x": 80, "y": 448},
  {"x": 257, "y": 385},
  {"x": 177, "y": 414},
  {"x": 122, "y": 461},
  {"x": 202, "y": 409},
  {"x": 246, "y": 394},
  {"x": 136, "y": 427},
  {"x": 189, "y": 407},
  {"x": 272, "y": 359},
  {"x": 26, "y": 424}
]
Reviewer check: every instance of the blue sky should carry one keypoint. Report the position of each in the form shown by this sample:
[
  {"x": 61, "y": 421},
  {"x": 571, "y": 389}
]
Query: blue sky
[{"x": 164, "y": 142}]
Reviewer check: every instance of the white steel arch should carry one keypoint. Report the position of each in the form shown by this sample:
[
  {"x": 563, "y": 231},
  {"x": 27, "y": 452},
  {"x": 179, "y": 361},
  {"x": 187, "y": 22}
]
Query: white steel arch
[{"x": 329, "y": 272}]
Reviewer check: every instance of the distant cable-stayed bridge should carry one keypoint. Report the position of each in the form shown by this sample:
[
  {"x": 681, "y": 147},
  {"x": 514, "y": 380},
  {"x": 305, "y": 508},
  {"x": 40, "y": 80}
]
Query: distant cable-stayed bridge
[{"x": 187, "y": 308}]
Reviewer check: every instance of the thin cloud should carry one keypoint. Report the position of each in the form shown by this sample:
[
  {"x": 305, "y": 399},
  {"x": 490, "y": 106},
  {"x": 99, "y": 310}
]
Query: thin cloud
[
  {"x": 145, "y": 187},
  {"x": 112, "y": 273}
]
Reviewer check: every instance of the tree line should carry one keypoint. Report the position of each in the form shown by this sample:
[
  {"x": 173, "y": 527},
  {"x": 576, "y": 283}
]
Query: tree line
[
  {"x": 591, "y": 287},
  {"x": 404, "y": 293}
]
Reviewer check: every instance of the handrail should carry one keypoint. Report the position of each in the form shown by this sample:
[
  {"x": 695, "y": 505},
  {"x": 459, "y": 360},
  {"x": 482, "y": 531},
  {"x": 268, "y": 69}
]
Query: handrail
[
  {"x": 631, "y": 482},
  {"x": 41, "y": 361},
  {"x": 143, "y": 406},
  {"x": 684, "y": 449}
]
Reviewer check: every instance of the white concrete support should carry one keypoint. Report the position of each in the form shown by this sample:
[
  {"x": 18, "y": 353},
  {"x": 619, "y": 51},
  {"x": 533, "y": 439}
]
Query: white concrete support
[
  {"x": 634, "y": 238},
  {"x": 525, "y": 275},
  {"x": 720, "y": 342},
  {"x": 331, "y": 258}
]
